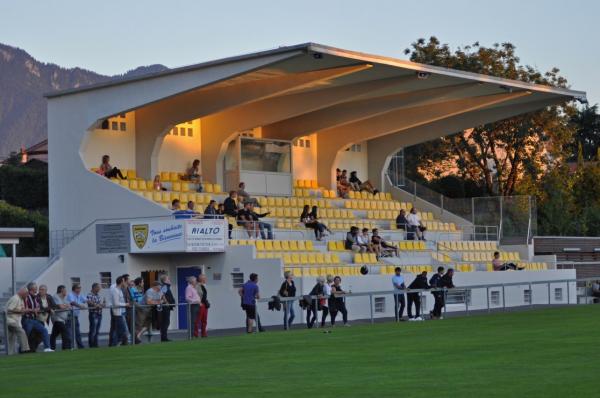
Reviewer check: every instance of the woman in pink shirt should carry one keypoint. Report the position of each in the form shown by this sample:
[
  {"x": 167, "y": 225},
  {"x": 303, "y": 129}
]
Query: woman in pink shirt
[{"x": 193, "y": 299}]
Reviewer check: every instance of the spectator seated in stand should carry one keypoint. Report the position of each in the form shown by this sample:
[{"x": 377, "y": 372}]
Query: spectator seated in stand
[
  {"x": 157, "y": 184},
  {"x": 351, "y": 242},
  {"x": 365, "y": 242},
  {"x": 498, "y": 265},
  {"x": 416, "y": 229},
  {"x": 262, "y": 226},
  {"x": 193, "y": 174},
  {"x": 358, "y": 185},
  {"x": 385, "y": 249},
  {"x": 246, "y": 220},
  {"x": 109, "y": 171},
  {"x": 245, "y": 196},
  {"x": 180, "y": 213},
  {"x": 230, "y": 206},
  {"x": 401, "y": 221},
  {"x": 220, "y": 213},
  {"x": 310, "y": 219},
  {"x": 343, "y": 187}
]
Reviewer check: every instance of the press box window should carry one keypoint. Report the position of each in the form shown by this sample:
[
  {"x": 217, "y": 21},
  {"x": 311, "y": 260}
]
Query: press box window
[
  {"x": 495, "y": 297},
  {"x": 237, "y": 279},
  {"x": 558, "y": 294},
  {"x": 527, "y": 296}
]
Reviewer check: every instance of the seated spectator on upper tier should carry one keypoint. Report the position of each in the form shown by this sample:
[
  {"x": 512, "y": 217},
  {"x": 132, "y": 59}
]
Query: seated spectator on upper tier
[
  {"x": 310, "y": 220},
  {"x": 381, "y": 245},
  {"x": 401, "y": 221},
  {"x": 358, "y": 185},
  {"x": 343, "y": 186},
  {"x": 221, "y": 213},
  {"x": 230, "y": 206},
  {"x": 499, "y": 265},
  {"x": 193, "y": 174},
  {"x": 157, "y": 184},
  {"x": 246, "y": 220},
  {"x": 108, "y": 171},
  {"x": 351, "y": 242},
  {"x": 415, "y": 226},
  {"x": 245, "y": 196},
  {"x": 211, "y": 210},
  {"x": 179, "y": 213},
  {"x": 262, "y": 226},
  {"x": 364, "y": 241}
]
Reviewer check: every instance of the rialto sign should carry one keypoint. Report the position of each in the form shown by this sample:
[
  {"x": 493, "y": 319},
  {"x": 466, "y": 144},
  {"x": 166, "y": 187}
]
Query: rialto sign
[{"x": 201, "y": 235}]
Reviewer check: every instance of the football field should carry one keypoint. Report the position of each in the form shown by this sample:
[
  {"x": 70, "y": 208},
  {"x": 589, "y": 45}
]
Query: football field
[{"x": 538, "y": 353}]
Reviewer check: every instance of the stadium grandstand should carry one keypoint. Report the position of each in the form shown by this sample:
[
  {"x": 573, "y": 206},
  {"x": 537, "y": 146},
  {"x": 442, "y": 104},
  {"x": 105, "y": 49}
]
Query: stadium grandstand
[{"x": 286, "y": 123}]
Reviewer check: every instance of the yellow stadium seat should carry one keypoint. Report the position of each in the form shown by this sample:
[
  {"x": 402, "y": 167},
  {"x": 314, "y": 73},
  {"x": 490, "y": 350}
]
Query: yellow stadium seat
[
  {"x": 331, "y": 246},
  {"x": 358, "y": 258},
  {"x": 303, "y": 258},
  {"x": 268, "y": 245},
  {"x": 276, "y": 245},
  {"x": 340, "y": 245},
  {"x": 372, "y": 258},
  {"x": 309, "y": 245}
]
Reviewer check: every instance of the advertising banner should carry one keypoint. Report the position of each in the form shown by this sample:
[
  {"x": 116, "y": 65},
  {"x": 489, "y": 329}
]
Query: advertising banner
[
  {"x": 158, "y": 236},
  {"x": 205, "y": 235}
]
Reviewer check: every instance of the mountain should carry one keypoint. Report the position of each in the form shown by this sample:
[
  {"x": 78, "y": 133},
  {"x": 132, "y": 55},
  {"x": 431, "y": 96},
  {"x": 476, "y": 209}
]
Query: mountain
[{"x": 23, "y": 83}]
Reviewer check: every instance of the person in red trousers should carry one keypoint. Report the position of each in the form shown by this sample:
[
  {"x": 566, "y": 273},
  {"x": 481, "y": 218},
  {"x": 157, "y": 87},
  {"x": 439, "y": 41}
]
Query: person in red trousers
[{"x": 202, "y": 318}]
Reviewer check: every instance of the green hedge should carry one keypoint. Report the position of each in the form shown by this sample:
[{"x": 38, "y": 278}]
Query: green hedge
[
  {"x": 16, "y": 217},
  {"x": 24, "y": 186}
]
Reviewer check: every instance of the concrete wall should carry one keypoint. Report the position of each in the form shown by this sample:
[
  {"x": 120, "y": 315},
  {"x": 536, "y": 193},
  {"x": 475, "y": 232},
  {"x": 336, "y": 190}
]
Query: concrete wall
[
  {"x": 304, "y": 160},
  {"x": 118, "y": 144},
  {"x": 177, "y": 152},
  {"x": 26, "y": 268},
  {"x": 354, "y": 161}
]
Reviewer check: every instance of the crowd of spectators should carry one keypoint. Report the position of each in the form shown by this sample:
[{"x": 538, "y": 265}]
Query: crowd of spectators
[{"x": 344, "y": 184}]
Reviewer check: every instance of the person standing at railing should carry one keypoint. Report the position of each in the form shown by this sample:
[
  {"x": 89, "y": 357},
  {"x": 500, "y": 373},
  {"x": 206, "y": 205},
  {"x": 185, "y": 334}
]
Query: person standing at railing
[
  {"x": 77, "y": 301},
  {"x": 249, "y": 293},
  {"x": 140, "y": 313},
  {"x": 30, "y": 322},
  {"x": 436, "y": 282},
  {"x": 315, "y": 305},
  {"x": 325, "y": 301},
  {"x": 288, "y": 289},
  {"x": 154, "y": 297},
  {"x": 193, "y": 300},
  {"x": 165, "y": 313},
  {"x": 202, "y": 319},
  {"x": 399, "y": 300},
  {"x": 15, "y": 308},
  {"x": 95, "y": 305},
  {"x": 60, "y": 319},
  {"x": 46, "y": 305},
  {"x": 420, "y": 282},
  {"x": 120, "y": 332},
  {"x": 338, "y": 302}
]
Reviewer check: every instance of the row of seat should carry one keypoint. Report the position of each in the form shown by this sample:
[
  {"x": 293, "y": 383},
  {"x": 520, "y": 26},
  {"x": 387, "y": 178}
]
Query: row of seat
[
  {"x": 489, "y": 256},
  {"x": 295, "y": 212},
  {"x": 335, "y": 225},
  {"x": 365, "y": 258},
  {"x": 403, "y": 245},
  {"x": 130, "y": 174},
  {"x": 310, "y": 258},
  {"x": 292, "y": 202},
  {"x": 465, "y": 246},
  {"x": 316, "y": 271},
  {"x": 284, "y": 245},
  {"x": 440, "y": 257},
  {"x": 433, "y": 226},
  {"x": 392, "y": 214},
  {"x": 168, "y": 196},
  {"x": 376, "y": 205}
]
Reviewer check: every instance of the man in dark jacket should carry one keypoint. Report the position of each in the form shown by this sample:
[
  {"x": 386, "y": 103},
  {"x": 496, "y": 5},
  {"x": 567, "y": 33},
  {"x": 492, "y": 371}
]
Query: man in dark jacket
[
  {"x": 420, "y": 282},
  {"x": 434, "y": 283},
  {"x": 165, "y": 313},
  {"x": 230, "y": 204}
]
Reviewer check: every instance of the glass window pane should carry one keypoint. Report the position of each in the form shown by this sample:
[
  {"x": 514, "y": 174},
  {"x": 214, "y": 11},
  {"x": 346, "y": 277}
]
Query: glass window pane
[{"x": 265, "y": 155}]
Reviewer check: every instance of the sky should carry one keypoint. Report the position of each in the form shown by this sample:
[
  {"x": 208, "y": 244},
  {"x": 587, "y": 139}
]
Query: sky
[{"x": 111, "y": 37}]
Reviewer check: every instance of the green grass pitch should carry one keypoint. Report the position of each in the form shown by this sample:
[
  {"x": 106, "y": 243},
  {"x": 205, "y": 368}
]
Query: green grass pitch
[{"x": 539, "y": 353}]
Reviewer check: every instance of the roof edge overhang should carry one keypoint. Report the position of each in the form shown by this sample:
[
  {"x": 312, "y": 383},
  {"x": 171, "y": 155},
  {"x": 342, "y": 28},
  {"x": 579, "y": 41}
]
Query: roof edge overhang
[{"x": 333, "y": 51}]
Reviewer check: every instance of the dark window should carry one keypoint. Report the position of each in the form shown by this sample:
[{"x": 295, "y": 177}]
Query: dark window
[{"x": 238, "y": 279}]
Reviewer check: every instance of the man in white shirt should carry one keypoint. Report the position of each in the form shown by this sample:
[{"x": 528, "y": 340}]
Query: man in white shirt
[
  {"x": 364, "y": 241},
  {"x": 15, "y": 308},
  {"x": 120, "y": 332},
  {"x": 415, "y": 227}
]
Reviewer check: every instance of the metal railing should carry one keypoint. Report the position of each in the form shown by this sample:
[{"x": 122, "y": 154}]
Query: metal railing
[{"x": 463, "y": 291}]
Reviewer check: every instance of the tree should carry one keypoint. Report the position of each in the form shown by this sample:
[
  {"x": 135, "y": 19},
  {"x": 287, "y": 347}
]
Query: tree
[
  {"x": 587, "y": 132},
  {"x": 497, "y": 155}
]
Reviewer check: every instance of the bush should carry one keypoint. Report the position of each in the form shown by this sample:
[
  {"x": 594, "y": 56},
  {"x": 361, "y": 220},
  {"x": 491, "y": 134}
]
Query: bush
[
  {"x": 16, "y": 217},
  {"x": 24, "y": 186}
]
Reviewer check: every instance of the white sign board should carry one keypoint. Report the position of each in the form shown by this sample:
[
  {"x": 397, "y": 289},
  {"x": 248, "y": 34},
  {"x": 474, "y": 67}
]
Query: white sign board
[
  {"x": 205, "y": 235},
  {"x": 158, "y": 236}
]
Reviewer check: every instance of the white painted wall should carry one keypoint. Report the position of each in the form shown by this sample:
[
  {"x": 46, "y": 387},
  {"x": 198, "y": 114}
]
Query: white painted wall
[
  {"x": 26, "y": 268},
  {"x": 178, "y": 152},
  {"x": 119, "y": 145},
  {"x": 304, "y": 160},
  {"x": 351, "y": 161}
]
